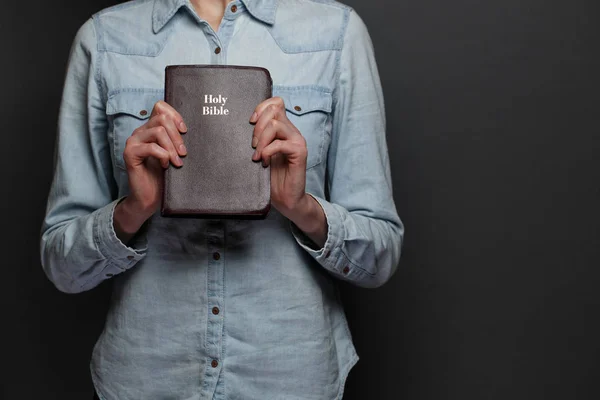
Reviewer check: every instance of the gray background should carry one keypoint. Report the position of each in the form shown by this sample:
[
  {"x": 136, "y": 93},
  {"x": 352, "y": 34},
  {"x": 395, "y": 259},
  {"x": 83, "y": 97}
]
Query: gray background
[{"x": 494, "y": 144}]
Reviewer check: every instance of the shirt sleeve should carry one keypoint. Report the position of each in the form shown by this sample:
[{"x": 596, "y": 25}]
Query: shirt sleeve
[
  {"x": 365, "y": 233},
  {"x": 78, "y": 245}
]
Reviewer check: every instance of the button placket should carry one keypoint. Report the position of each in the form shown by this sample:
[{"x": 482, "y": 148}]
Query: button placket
[
  {"x": 215, "y": 42},
  {"x": 225, "y": 31},
  {"x": 214, "y": 326}
]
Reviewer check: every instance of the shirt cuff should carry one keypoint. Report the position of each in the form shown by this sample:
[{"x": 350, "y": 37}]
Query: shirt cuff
[
  {"x": 122, "y": 255},
  {"x": 330, "y": 253}
]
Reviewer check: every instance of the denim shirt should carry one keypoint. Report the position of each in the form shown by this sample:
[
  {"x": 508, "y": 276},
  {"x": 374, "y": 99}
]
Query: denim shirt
[{"x": 211, "y": 308}]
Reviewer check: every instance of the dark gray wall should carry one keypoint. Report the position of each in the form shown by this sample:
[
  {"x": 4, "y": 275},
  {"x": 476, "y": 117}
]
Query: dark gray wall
[{"x": 494, "y": 142}]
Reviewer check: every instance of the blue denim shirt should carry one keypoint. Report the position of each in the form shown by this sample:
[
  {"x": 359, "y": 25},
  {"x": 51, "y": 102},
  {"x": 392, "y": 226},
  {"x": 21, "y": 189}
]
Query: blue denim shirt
[{"x": 209, "y": 308}]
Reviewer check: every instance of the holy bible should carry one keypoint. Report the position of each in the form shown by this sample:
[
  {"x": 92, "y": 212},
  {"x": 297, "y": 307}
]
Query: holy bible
[{"x": 218, "y": 178}]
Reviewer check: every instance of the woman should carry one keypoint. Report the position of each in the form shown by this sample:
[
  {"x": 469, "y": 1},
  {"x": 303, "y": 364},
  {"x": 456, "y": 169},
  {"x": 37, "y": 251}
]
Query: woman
[{"x": 222, "y": 309}]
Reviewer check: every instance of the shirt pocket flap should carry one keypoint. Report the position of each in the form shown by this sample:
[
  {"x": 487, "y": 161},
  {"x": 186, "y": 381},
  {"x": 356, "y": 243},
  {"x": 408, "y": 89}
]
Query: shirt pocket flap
[
  {"x": 309, "y": 109},
  {"x": 302, "y": 100},
  {"x": 128, "y": 109},
  {"x": 137, "y": 103}
]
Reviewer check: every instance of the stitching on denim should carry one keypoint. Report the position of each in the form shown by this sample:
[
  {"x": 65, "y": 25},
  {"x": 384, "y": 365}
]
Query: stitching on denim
[
  {"x": 351, "y": 261},
  {"x": 328, "y": 132},
  {"x": 335, "y": 94},
  {"x": 270, "y": 20},
  {"x": 305, "y": 90},
  {"x": 299, "y": 49},
  {"x": 355, "y": 357},
  {"x": 301, "y": 88},
  {"x": 132, "y": 53},
  {"x": 328, "y": 242},
  {"x": 163, "y": 21},
  {"x": 321, "y": 142},
  {"x": 223, "y": 336},
  {"x": 344, "y": 317},
  {"x": 103, "y": 46},
  {"x": 338, "y": 57},
  {"x": 326, "y": 107},
  {"x": 206, "y": 331},
  {"x": 117, "y": 91},
  {"x": 97, "y": 15},
  {"x": 97, "y": 57},
  {"x": 131, "y": 107},
  {"x": 286, "y": 90},
  {"x": 93, "y": 277},
  {"x": 96, "y": 234},
  {"x": 319, "y": 158},
  {"x": 120, "y": 243},
  {"x": 345, "y": 374},
  {"x": 113, "y": 109}
]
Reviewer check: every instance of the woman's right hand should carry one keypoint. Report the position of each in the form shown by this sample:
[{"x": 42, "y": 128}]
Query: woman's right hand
[{"x": 147, "y": 153}]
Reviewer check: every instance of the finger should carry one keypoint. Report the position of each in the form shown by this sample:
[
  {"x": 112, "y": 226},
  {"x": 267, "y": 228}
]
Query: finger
[
  {"x": 269, "y": 109},
  {"x": 169, "y": 124},
  {"x": 142, "y": 150},
  {"x": 260, "y": 108},
  {"x": 274, "y": 129},
  {"x": 292, "y": 149},
  {"x": 270, "y": 112},
  {"x": 162, "y": 107},
  {"x": 159, "y": 135}
]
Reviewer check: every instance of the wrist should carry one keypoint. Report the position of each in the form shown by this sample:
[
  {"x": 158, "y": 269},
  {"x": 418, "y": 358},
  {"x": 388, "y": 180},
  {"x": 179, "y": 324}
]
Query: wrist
[
  {"x": 307, "y": 215},
  {"x": 129, "y": 216}
]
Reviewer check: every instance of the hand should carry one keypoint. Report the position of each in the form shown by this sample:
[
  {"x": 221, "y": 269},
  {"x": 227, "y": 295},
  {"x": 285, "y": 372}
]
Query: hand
[
  {"x": 147, "y": 152},
  {"x": 280, "y": 144}
]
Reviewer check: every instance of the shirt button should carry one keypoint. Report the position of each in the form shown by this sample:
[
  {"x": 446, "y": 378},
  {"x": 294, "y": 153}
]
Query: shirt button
[
  {"x": 346, "y": 269},
  {"x": 216, "y": 255},
  {"x": 215, "y": 310},
  {"x": 297, "y": 108},
  {"x": 143, "y": 112},
  {"x": 214, "y": 363},
  {"x": 130, "y": 257},
  {"x": 217, "y": 50},
  {"x": 233, "y": 8}
]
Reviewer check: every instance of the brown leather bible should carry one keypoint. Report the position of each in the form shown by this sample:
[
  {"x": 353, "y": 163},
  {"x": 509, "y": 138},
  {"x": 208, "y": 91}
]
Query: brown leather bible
[{"x": 218, "y": 178}]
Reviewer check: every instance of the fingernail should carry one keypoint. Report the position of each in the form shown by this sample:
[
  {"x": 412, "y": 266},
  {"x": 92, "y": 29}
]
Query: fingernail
[
  {"x": 254, "y": 141},
  {"x": 182, "y": 126},
  {"x": 179, "y": 161},
  {"x": 255, "y": 154},
  {"x": 182, "y": 148},
  {"x": 253, "y": 117}
]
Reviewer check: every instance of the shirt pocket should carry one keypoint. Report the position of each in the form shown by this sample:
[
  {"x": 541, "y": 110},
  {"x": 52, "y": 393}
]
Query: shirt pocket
[
  {"x": 309, "y": 109},
  {"x": 128, "y": 109}
]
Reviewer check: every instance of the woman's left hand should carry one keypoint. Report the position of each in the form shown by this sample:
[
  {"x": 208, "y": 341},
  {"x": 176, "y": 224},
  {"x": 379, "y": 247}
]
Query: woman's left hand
[{"x": 280, "y": 144}]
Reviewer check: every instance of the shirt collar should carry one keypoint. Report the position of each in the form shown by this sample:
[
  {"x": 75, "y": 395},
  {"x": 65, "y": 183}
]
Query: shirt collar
[{"x": 164, "y": 10}]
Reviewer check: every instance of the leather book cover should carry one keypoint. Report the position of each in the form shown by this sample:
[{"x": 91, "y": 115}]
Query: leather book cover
[{"x": 218, "y": 178}]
